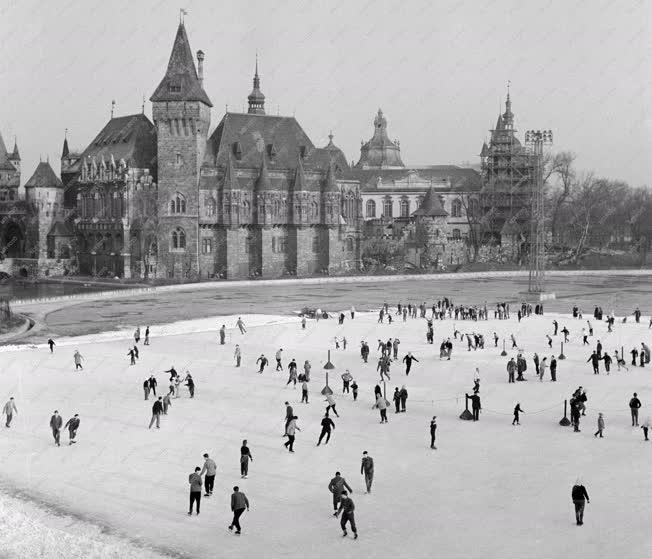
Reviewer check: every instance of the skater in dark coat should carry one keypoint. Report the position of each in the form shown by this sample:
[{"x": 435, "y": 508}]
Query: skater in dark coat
[
  {"x": 289, "y": 413},
  {"x": 263, "y": 363},
  {"x": 55, "y": 424},
  {"x": 607, "y": 362},
  {"x": 397, "y": 400},
  {"x": 239, "y": 503},
  {"x": 580, "y": 497},
  {"x": 132, "y": 354},
  {"x": 245, "y": 457},
  {"x": 152, "y": 384},
  {"x": 326, "y": 426},
  {"x": 190, "y": 383},
  {"x": 517, "y": 411},
  {"x": 408, "y": 359},
  {"x": 354, "y": 388},
  {"x": 51, "y": 344},
  {"x": 157, "y": 410},
  {"x": 475, "y": 406},
  {"x": 595, "y": 362},
  {"x": 403, "y": 394},
  {"x": 72, "y": 425},
  {"x": 553, "y": 369},
  {"x": 347, "y": 508},
  {"x": 634, "y": 405},
  {"x": 146, "y": 389},
  {"x": 433, "y": 431},
  {"x": 336, "y": 486},
  {"x": 367, "y": 468}
]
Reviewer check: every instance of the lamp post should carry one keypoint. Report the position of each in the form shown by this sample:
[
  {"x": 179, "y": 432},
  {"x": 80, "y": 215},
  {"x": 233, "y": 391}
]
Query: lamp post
[{"x": 536, "y": 139}]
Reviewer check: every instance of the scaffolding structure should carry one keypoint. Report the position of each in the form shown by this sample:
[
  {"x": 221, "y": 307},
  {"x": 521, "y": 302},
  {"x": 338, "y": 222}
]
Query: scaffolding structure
[{"x": 536, "y": 139}]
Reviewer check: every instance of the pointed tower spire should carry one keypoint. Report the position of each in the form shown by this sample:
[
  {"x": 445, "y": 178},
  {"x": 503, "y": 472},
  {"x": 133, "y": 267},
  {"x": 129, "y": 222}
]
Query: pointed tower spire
[
  {"x": 299, "y": 177},
  {"x": 263, "y": 178},
  {"x": 15, "y": 156},
  {"x": 181, "y": 82},
  {"x": 65, "y": 151},
  {"x": 508, "y": 116},
  {"x": 256, "y": 98}
]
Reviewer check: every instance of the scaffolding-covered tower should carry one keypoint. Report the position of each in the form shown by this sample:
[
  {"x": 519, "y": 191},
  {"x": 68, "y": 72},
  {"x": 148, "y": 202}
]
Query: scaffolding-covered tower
[{"x": 507, "y": 182}]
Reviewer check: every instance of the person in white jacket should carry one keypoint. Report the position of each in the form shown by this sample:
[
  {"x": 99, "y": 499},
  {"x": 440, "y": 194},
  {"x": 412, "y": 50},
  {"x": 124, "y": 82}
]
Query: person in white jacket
[
  {"x": 381, "y": 404},
  {"x": 9, "y": 409},
  {"x": 331, "y": 404},
  {"x": 291, "y": 430}
]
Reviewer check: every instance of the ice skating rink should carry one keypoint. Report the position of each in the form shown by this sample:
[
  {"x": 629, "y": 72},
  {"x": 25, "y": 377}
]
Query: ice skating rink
[{"x": 490, "y": 490}]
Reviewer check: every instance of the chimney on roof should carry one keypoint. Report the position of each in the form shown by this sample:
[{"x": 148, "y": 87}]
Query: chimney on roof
[{"x": 200, "y": 67}]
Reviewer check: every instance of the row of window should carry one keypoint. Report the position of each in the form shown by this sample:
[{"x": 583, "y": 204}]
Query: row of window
[
  {"x": 404, "y": 208},
  {"x": 7, "y": 195}
]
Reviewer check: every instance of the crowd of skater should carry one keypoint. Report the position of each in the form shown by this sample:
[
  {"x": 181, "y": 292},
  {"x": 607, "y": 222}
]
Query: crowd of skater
[{"x": 466, "y": 333}]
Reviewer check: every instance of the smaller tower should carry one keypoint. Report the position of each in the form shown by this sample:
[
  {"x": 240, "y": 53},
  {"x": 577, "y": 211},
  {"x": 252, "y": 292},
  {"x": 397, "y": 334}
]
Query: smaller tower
[
  {"x": 256, "y": 97},
  {"x": 14, "y": 157}
]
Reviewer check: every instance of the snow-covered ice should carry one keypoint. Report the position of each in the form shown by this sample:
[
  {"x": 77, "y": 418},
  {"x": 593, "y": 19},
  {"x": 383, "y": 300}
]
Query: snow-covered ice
[{"x": 490, "y": 490}]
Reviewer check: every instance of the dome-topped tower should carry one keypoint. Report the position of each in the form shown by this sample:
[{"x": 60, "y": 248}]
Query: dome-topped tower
[
  {"x": 380, "y": 152},
  {"x": 256, "y": 97}
]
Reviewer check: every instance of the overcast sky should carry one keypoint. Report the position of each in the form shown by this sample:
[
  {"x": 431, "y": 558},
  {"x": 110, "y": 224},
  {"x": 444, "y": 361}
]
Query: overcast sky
[{"x": 438, "y": 69}]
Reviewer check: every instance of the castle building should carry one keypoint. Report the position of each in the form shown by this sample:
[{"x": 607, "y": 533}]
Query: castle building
[
  {"x": 255, "y": 198},
  {"x": 392, "y": 192}
]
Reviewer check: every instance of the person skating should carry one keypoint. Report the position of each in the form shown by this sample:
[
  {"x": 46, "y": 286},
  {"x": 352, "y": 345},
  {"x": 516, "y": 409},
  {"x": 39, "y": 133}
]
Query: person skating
[
  {"x": 397, "y": 400},
  {"x": 289, "y": 414},
  {"x": 157, "y": 409},
  {"x": 241, "y": 326},
  {"x": 331, "y": 404},
  {"x": 634, "y": 353},
  {"x": 135, "y": 348},
  {"x": 239, "y": 503},
  {"x": 304, "y": 392},
  {"x": 607, "y": 362},
  {"x": 306, "y": 370},
  {"x": 279, "y": 356},
  {"x": 177, "y": 384},
  {"x": 166, "y": 403},
  {"x": 195, "y": 482},
  {"x": 173, "y": 373},
  {"x": 367, "y": 468},
  {"x": 433, "y": 431},
  {"x": 383, "y": 367},
  {"x": 408, "y": 359},
  {"x": 146, "y": 341},
  {"x": 565, "y": 332},
  {"x": 514, "y": 344},
  {"x": 553, "y": 368},
  {"x": 575, "y": 415},
  {"x": 237, "y": 354},
  {"x": 347, "y": 507},
  {"x": 262, "y": 360},
  {"x": 336, "y": 486},
  {"x": 475, "y": 406},
  {"x": 580, "y": 497},
  {"x": 549, "y": 340},
  {"x": 403, "y": 396},
  {"x": 78, "y": 357},
  {"x": 190, "y": 383},
  {"x": 517, "y": 411},
  {"x": 354, "y": 388},
  {"x": 132, "y": 355},
  {"x": 291, "y": 431},
  {"x": 511, "y": 369},
  {"x": 600, "y": 426},
  {"x": 292, "y": 373},
  {"x": 381, "y": 404},
  {"x": 634, "y": 405},
  {"x": 245, "y": 457},
  {"x": 210, "y": 469},
  {"x": 51, "y": 344},
  {"x": 223, "y": 334},
  {"x": 543, "y": 366},
  {"x": 137, "y": 334},
  {"x": 303, "y": 322},
  {"x": 152, "y": 384},
  {"x": 9, "y": 409},
  {"x": 72, "y": 425},
  {"x": 346, "y": 381},
  {"x": 55, "y": 424},
  {"x": 395, "y": 345},
  {"x": 364, "y": 351},
  {"x": 326, "y": 426},
  {"x": 646, "y": 427}
]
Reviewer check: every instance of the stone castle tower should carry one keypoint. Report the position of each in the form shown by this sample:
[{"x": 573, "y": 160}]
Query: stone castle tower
[{"x": 182, "y": 115}]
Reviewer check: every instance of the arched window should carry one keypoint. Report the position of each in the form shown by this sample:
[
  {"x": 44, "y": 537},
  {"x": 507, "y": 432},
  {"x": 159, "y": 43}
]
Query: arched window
[
  {"x": 210, "y": 206},
  {"x": 405, "y": 208},
  {"x": 456, "y": 208},
  {"x": 474, "y": 207},
  {"x": 387, "y": 208},
  {"x": 457, "y": 234},
  {"x": 178, "y": 239},
  {"x": 314, "y": 210},
  {"x": 371, "y": 208},
  {"x": 178, "y": 204}
]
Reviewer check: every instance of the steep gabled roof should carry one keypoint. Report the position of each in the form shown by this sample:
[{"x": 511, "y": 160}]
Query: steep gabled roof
[
  {"x": 132, "y": 138},
  {"x": 60, "y": 229},
  {"x": 15, "y": 156},
  {"x": 5, "y": 164},
  {"x": 44, "y": 177},
  {"x": 181, "y": 82},
  {"x": 431, "y": 206}
]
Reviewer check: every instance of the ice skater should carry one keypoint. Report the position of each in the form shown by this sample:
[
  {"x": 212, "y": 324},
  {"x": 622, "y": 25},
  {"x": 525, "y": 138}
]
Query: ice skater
[
  {"x": 241, "y": 326},
  {"x": 408, "y": 359},
  {"x": 580, "y": 497},
  {"x": 331, "y": 404},
  {"x": 433, "y": 431},
  {"x": 367, "y": 469},
  {"x": 56, "y": 423},
  {"x": 291, "y": 433},
  {"x": 336, "y": 486},
  {"x": 245, "y": 458},
  {"x": 157, "y": 410},
  {"x": 634, "y": 406},
  {"x": 239, "y": 503},
  {"x": 347, "y": 508},
  {"x": 210, "y": 469},
  {"x": 381, "y": 405},
  {"x": 146, "y": 340},
  {"x": 78, "y": 357},
  {"x": 600, "y": 426},
  {"x": 262, "y": 360},
  {"x": 279, "y": 356},
  {"x": 517, "y": 411},
  {"x": 9, "y": 409},
  {"x": 327, "y": 426},
  {"x": 72, "y": 425},
  {"x": 237, "y": 354},
  {"x": 195, "y": 482},
  {"x": 51, "y": 344}
]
